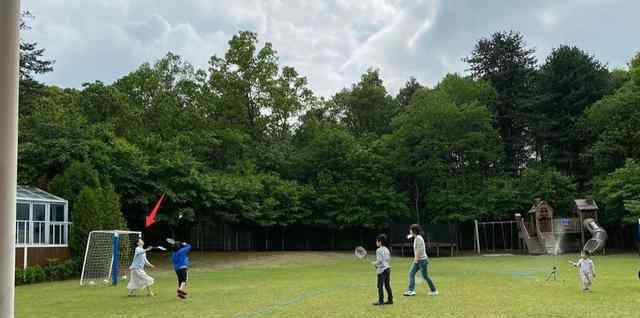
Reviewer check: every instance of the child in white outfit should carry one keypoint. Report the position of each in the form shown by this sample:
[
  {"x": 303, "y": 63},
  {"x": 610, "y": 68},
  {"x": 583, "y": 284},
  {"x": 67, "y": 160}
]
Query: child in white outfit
[{"x": 586, "y": 270}]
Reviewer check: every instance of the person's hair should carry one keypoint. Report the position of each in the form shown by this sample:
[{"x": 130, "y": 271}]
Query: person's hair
[
  {"x": 177, "y": 245},
  {"x": 586, "y": 253},
  {"x": 382, "y": 238},
  {"x": 416, "y": 229}
]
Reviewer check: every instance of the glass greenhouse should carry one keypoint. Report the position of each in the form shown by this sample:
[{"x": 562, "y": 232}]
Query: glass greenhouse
[{"x": 42, "y": 219}]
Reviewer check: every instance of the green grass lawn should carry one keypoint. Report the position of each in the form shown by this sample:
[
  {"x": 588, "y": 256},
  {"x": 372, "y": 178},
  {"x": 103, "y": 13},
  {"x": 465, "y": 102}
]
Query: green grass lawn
[{"x": 307, "y": 284}]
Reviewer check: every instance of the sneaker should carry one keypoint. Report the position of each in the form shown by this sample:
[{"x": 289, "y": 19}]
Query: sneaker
[
  {"x": 389, "y": 302},
  {"x": 378, "y": 303},
  {"x": 434, "y": 293},
  {"x": 410, "y": 293}
]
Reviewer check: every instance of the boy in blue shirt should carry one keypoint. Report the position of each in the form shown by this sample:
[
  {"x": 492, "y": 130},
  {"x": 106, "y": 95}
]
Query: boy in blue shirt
[{"x": 180, "y": 265}]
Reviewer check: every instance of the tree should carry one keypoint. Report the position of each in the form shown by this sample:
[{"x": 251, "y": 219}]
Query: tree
[
  {"x": 366, "y": 108},
  {"x": 248, "y": 91},
  {"x": 406, "y": 93},
  {"x": 619, "y": 78},
  {"x": 31, "y": 57},
  {"x": 501, "y": 198},
  {"x": 568, "y": 82},
  {"x": 465, "y": 90},
  {"x": 508, "y": 65},
  {"x": 31, "y": 62},
  {"x": 610, "y": 128},
  {"x": 618, "y": 191},
  {"x": 164, "y": 99},
  {"x": 547, "y": 184},
  {"x": 443, "y": 152},
  {"x": 53, "y": 135},
  {"x": 103, "y": 103},
  {"x": 76, "y": 177},
  {"x": 634, "y": 66},
  {"x": 95, "y": 209},
  {"x": 350, "y": 185}
]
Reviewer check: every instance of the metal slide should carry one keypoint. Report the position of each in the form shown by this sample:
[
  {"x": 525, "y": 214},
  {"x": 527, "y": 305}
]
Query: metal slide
[{"x": 598, "y": 236}]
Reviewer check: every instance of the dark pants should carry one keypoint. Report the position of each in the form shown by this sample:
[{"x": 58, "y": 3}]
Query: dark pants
[
  {"x": 384, "y": 279},
  {"x": 182, "y": 276}
]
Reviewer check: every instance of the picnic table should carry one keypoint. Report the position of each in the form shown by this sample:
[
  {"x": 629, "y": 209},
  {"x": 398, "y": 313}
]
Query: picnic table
[{"x": 453, "y": 247}]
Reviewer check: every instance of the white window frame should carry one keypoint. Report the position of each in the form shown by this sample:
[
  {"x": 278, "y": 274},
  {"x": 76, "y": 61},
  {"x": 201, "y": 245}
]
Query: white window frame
[{"x": 48, "y": 224}]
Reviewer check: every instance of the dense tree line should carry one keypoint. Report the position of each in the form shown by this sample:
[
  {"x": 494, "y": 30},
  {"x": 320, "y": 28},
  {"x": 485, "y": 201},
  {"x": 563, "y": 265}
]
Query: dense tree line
[{"x": 246, "y": 140}]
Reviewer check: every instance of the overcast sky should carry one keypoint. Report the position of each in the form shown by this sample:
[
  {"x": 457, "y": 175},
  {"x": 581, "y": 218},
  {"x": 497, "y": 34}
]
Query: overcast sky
[{"x": 330, "y": 42}]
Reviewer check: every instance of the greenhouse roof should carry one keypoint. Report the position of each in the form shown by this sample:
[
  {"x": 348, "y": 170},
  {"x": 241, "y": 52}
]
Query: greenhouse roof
[{"x": 34, "y": 194}]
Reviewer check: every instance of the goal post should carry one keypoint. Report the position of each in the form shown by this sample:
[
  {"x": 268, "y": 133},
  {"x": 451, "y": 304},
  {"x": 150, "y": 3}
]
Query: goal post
[{"x": 107, "y": 256}]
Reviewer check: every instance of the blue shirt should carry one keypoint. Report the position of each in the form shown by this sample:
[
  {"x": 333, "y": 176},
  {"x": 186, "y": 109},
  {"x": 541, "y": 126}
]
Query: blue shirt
[{"x": 179, "y": 257}]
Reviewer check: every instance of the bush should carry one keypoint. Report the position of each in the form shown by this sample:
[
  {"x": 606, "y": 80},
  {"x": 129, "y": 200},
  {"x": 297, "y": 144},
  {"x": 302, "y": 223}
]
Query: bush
[
  {"x": 53, "y": 272},
  {"x": 33, "y": 275},
  {"x": 19, "y": 277}
]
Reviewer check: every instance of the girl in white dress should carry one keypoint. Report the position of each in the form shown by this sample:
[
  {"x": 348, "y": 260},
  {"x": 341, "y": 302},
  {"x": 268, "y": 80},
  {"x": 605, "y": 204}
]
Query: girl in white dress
[
  {"x": 587, "y": 271},
  {"x": 138, "y": 278}
]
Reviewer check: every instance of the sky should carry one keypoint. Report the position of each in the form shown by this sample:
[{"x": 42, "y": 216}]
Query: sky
[{"x": 331, "y": 42}]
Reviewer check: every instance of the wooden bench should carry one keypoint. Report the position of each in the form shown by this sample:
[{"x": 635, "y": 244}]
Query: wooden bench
[{"x": 453, "y": 247}]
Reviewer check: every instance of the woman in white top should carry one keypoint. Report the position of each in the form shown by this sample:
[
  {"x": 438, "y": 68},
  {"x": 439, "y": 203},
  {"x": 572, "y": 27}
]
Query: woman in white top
[
  {"x": 138, "y": 278},
  {"x": 420, "y": 262}
]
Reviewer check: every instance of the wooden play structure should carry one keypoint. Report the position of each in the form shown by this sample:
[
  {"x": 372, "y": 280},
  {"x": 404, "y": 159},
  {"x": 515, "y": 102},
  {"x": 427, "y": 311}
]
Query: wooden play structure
[{"x": 541, "y": 233}]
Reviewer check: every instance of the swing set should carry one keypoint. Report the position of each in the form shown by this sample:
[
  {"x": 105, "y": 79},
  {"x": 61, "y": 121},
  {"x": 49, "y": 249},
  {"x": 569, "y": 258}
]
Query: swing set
[{"x": 492, "y": 236}]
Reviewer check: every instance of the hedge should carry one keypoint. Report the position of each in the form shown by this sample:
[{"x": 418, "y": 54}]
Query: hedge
[{"x": 52, "y": 272}]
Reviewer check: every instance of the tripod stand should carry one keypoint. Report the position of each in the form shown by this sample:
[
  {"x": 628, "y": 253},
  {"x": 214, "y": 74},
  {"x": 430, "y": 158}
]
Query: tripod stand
[{"x": 553, "y": 274}]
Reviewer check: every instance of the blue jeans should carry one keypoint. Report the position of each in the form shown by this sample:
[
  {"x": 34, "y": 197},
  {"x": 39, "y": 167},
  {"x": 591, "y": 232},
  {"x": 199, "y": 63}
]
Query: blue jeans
[{"x": 422, "y": 266}]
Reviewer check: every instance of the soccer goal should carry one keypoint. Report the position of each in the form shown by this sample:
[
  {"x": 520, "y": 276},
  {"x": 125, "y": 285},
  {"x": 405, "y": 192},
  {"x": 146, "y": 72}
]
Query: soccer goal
[{"x": 107, "y": 256}]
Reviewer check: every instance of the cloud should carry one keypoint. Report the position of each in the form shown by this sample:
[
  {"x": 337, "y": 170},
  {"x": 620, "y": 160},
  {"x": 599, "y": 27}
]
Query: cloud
[{"x": 330, "y": 41}]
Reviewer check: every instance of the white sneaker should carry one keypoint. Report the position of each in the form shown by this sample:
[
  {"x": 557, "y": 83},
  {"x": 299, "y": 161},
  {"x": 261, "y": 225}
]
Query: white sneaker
[
  {"x": 410, "y": 293},
  {"x": 435, "y": 293}
]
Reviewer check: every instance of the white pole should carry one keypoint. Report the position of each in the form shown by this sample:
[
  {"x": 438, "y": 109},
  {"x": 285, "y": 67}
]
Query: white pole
[
  {"x": 84, "y": 262},
  {"x": 9, "y": 19},
  {"x": 477, "y": 245}
]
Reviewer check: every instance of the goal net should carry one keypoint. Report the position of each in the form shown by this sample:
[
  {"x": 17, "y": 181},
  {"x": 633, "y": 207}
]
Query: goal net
[{"x": 107, "y": 256}]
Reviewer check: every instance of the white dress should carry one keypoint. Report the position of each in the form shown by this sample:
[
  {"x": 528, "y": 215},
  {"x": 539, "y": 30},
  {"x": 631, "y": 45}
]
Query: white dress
[
  {"x": 138, "y": 277},
  {"x": 586, "y": 268}
]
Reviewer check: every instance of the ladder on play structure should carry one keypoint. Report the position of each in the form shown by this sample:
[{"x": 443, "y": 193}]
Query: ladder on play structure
[
  {"x": 532, "y": 243},
  {"x": 549, "y": 242}
]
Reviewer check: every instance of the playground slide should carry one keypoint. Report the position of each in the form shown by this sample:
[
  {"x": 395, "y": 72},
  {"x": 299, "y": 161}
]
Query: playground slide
[
  {"x": 598, "y": 236},
  {"x": 533, "y": 244}
]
